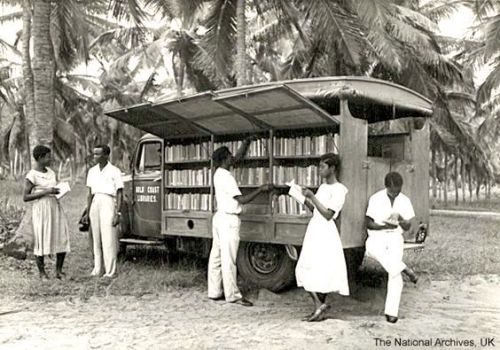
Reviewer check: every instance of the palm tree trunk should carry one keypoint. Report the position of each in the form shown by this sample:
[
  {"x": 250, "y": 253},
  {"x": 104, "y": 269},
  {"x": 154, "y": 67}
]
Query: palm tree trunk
[
  {"x": 462, "y": 178},
  {"x": 434, "y": 174},
  {"x": 456, "y": 180},
  {"x": 43, "y": 74},
  {"x": 29, "y": 93},
  {"x": 478, "y": 186},
  {"x": 40, "y": 108},
  {"x": 241, "y": 71},
  {"x": 445, "y": 189},
  {"x": 469, "y": 177}
]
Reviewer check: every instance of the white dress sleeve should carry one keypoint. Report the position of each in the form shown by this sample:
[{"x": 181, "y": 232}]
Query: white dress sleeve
[
  {"x": 336, "y": 199},
  {"x": 31, "y": 176}
]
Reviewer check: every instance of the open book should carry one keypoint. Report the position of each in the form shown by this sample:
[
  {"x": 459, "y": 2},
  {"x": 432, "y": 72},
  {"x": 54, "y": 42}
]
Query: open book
[
  {"x": 63, "y": 189},
  {"x": 296, "y": 192}
]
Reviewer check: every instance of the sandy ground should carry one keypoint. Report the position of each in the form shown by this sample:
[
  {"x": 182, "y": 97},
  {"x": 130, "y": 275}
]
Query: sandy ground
[{"x": 184, "y": 319}]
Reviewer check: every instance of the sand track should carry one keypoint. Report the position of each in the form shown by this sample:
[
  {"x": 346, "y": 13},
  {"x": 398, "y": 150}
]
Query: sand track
[{"x": 185, "y": 319}]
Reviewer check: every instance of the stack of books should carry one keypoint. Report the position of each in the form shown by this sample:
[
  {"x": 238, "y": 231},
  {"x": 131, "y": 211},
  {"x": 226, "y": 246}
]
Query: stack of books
[
  {"x": 305, "y": 176},
  {"x": 304, "y": 145},
  {"x": 189, "y": 177},
  {"x": 251, "y": 176},
  {"x": 195, "y": 151},
  {"x": 257, "y": 148},
  {"x": 286, "y": 205},
  {"x": 188, "y": 201}
]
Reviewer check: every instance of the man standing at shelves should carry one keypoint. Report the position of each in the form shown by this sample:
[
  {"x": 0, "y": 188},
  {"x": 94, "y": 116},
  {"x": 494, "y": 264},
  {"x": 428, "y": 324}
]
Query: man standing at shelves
[
  {"x": 105, "y": 184},
  {"x": 226, "y": 226},
  {"x": 389, "y": 213}
]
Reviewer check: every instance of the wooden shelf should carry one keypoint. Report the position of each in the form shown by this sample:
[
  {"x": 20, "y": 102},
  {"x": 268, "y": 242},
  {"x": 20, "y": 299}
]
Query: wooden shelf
[
  {"x": 301, "y": 157},
  {"x": 188, "y": 213},
  {"x": 249, "y": 186},
  {"x": 184, "y": 187},
  {"x": 286, "y": 186},
  {"x": 253, "y": 159},
  {"x": 190, "y": 161}
]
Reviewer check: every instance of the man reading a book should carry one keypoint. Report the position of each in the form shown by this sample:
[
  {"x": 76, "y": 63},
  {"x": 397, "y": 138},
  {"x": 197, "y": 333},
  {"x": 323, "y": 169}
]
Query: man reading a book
[
  {"x": 226, "y": 226},
  {"x": 389, "y": 213}
]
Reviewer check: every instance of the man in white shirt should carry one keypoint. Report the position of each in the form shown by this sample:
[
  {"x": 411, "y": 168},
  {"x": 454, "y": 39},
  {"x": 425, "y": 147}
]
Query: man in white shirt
[
  {"x": 104, "y": 201},
  {"x": 226, "y": 227},
  {"x": 389, "y": 213}
]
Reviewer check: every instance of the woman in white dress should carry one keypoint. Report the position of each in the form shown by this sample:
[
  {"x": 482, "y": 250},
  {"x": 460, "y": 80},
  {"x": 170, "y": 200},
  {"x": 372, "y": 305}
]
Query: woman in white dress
[
  {"x": 50, "y": 227},
  {"x": 321, "y": 268}
]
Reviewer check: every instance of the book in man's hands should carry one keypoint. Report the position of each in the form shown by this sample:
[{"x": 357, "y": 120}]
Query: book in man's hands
[
  {"x": 296, "y": 192},
  {"x": 63, "y": 189}
]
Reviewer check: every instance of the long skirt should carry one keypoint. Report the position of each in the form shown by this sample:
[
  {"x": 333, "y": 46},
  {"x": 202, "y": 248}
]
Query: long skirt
[
  {"x": 321, "y": 267},
  {"x": 50, "y": 227}
]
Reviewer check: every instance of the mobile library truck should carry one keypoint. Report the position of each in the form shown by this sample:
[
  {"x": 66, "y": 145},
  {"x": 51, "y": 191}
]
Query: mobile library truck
[{"x": 376, "y": 127}]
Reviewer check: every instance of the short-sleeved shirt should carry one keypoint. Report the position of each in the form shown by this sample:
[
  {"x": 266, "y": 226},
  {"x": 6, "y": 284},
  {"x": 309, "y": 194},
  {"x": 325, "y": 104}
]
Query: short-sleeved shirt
[
  {"x": 42, "y": 180},
  {"x": 380, "y": 209},
  {"x": 332, "y": 196},
  {"x": 226, "y": 189},
  {"x": 105, "y": 181}
]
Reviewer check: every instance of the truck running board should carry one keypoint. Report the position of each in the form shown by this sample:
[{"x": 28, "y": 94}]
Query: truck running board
[{"x": 140, "y": 241}]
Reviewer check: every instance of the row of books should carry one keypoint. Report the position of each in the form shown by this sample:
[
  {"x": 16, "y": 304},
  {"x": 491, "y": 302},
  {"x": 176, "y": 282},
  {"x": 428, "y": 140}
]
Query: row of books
[
  {"x": 306, "y": 176},
  {"x": 195, "y": 151},
  {"x": 189, "y": 177},
  {"x": 305, "y": 145},
  {"x": 284, "y": 204},
  {"x": 257, "y": 148},
  {"x": 292, "y": 146},
  {"x": 251, "y": 176},
  {"x": 188, "y": 201}
]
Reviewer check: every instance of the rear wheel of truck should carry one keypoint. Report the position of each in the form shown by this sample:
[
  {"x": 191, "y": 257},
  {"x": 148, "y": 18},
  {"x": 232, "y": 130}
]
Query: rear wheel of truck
[{"x": 266, "y": 265}]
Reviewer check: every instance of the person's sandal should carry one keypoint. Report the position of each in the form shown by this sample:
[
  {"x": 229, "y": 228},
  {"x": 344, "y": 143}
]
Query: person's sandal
[
  {"x": 308, "y": 316},
  {"x": 317, "y": 316},
  {"x": 411, "y": 275},
  {"x": 243, "y": 302}
]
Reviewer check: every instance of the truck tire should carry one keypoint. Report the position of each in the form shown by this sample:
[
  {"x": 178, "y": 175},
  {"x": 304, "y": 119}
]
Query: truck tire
[{"x": 265, "y": 265}]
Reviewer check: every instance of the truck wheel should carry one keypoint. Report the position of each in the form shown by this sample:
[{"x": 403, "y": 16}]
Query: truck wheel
[{"x": 266, "y": 265}]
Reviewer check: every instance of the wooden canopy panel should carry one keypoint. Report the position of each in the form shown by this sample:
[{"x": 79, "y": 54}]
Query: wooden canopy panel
[
  {"x": 285, "y": 105},
  {"x": 277, "y": 107}
]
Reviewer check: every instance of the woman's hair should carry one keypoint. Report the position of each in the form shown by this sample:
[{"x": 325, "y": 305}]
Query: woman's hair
[
  {"x": 220, "y": 155},
  {"x": 40, "y": 151},
  {"x": 331, "y": 159}
]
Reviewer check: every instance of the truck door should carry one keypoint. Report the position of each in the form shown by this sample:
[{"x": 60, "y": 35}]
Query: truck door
[{"x": 146, "y": 219}]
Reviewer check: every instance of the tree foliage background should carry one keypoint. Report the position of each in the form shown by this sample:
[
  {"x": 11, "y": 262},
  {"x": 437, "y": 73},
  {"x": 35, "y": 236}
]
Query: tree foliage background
[{"x": 139, "y": 50}]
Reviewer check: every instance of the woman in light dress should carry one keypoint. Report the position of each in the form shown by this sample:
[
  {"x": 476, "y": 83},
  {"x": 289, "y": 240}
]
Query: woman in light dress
[
  {"x": 50, "y": 227},
  {"x": 321, "y": 268}
]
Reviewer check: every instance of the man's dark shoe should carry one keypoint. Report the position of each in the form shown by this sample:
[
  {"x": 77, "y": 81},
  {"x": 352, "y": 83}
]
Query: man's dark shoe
[
  {"x": 243, "y": 302},
  {"x": 411, "y": 275},
  {"x": 391, "y": 319},
  {"x": 217, "y": 298}
]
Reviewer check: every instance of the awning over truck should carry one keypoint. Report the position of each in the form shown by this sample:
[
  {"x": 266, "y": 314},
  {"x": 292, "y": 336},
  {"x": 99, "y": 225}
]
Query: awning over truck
[{"x": 276, "y": 105}]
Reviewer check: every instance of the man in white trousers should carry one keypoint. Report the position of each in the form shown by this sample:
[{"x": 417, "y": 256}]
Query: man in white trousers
[
  {"x": 105, "y": 184},
  {"x": 226, "y": 227},
  {"x": 389, "y": 213}
]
